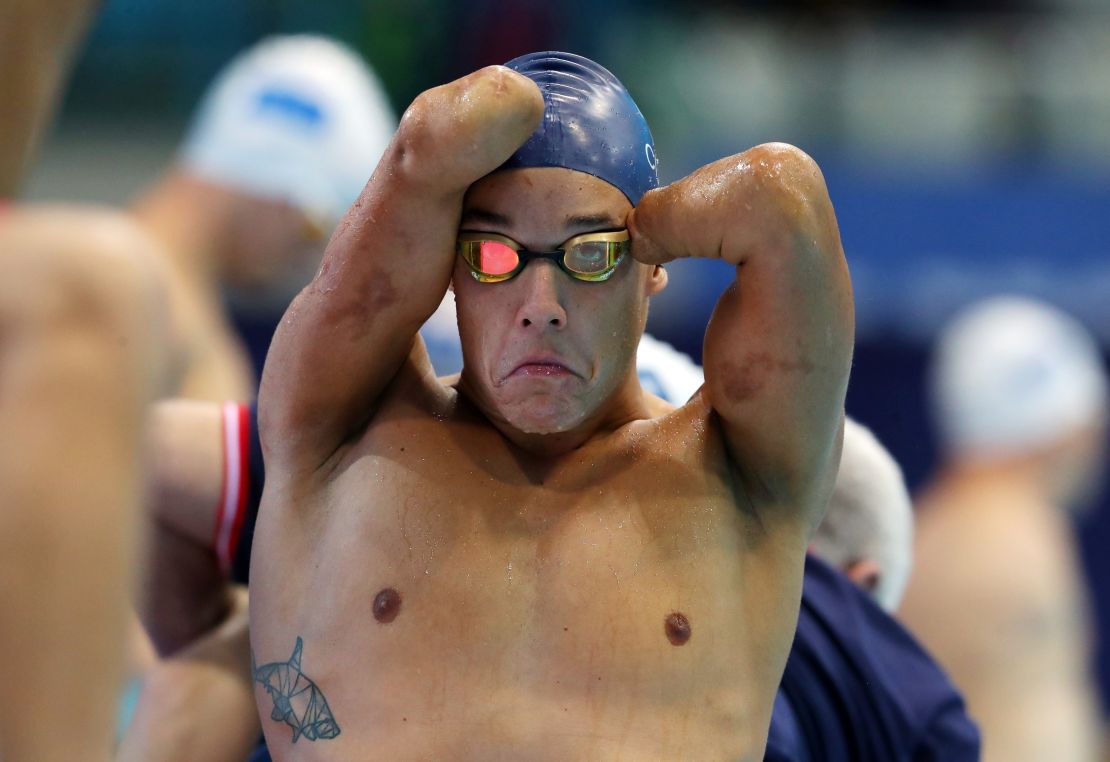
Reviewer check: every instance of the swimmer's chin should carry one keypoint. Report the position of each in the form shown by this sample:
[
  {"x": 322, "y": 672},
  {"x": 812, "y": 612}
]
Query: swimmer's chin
[{"x": 528, "y": 414}]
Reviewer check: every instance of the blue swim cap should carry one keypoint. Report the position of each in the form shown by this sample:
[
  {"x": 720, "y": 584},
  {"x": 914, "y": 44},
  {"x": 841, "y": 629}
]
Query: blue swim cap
[{"x": 590, "y": 124}]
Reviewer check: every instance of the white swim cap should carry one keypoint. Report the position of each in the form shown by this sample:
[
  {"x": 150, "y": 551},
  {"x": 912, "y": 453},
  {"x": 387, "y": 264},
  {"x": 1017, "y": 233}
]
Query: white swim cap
[
  {"x": 299, "y": 118},
  {"x": 1011, "y": 374}
]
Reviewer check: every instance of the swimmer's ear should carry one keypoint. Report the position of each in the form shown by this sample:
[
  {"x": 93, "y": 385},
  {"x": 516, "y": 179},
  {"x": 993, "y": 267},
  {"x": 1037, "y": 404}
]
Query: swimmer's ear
[{"x": 657, "y": 281}]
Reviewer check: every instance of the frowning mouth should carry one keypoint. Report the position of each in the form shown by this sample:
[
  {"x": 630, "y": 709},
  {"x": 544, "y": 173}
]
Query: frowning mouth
[{"x": 541, "y": 368}]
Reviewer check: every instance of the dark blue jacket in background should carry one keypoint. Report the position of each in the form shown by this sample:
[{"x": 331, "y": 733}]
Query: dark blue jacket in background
[{"x": 858, "y": 687}]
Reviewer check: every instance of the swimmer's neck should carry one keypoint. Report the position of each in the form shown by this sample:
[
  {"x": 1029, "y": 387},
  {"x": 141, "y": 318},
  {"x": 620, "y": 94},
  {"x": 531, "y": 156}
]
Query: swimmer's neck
[
  {"x": 191, "y": 219},
  {"x": 627, "y": 404},
  {"x": 1033, "y": 477}
]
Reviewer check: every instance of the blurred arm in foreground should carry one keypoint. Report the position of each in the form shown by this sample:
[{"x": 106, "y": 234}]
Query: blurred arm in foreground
[
  {"x": 79, "y": 362},
  {"x": 38, "y": 40}
]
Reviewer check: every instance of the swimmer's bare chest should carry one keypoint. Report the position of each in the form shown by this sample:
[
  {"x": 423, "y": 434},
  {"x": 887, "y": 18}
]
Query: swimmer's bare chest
[{"x": 454, "y": 603}]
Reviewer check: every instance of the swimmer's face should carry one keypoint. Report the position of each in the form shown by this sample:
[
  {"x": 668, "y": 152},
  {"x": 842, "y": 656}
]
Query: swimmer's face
[{"x": 544, "y": 352}]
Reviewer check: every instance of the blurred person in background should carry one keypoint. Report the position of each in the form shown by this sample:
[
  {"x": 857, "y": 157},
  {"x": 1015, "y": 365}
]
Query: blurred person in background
[
  {"x": 1020, "y": 396},
  {"x": 280, "y": 146},
  {"x": 857, "y": 686},
  {"x": 867, "y": 531},
  {"x": 81, "y": 356}
]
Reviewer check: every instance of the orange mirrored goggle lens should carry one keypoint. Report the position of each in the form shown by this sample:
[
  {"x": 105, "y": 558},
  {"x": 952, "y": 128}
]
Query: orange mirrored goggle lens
[{"x": 494, "y": 258}]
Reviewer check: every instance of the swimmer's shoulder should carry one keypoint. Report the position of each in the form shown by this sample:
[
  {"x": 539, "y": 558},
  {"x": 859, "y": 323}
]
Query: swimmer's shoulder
[{"x": 684, "y": 432}]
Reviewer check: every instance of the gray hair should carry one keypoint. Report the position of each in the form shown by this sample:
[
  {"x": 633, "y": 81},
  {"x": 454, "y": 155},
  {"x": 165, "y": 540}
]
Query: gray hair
[{"x": 870, "y": 515}]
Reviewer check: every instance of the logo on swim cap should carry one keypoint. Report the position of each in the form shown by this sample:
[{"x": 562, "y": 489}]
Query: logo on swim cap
[
  {"x": 590, "y": 124},
  {"x": 290, "y": 105}
]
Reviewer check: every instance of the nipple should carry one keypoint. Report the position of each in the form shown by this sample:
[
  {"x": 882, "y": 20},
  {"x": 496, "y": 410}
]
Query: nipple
[
  {"x": 677, "y": 627},
  {"x": 387, "y": 604}
]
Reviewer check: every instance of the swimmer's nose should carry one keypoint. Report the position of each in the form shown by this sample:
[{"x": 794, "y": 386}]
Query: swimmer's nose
[{"x": 541, "y": 304}]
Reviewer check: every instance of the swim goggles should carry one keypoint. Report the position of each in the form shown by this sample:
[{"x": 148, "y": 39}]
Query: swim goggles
[{"x": 592, "y": 257}]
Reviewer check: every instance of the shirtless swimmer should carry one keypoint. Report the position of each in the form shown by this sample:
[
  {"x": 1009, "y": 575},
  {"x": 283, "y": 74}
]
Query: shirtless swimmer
[{"x": 537, "y": 560}]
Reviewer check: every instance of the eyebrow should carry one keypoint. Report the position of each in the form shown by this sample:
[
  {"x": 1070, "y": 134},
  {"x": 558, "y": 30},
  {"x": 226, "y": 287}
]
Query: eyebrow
[
  {"x": 592, "y": 221},
  {"x": 480, "y": 216}
]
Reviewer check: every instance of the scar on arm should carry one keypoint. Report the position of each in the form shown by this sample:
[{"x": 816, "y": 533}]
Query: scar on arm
[
  {"x": 356, "y": 310},
  {"x": 746, "y": 379}
]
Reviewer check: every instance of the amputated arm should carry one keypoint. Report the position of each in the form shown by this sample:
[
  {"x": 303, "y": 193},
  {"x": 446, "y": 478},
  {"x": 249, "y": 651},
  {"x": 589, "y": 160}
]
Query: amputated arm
[
  {"x": 386, "y": 268},
  {"x": 779, "y": 345}
]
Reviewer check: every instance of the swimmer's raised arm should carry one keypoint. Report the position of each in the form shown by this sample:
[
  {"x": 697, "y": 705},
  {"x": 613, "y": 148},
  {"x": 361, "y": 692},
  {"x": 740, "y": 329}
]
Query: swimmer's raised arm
[
  {"x": 779, "y": 345},
  {"x": 387, "y": 266}
]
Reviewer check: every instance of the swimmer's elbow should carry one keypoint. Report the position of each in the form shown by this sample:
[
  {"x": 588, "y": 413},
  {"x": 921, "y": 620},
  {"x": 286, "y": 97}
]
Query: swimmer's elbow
[
  {"x": 517, "y": 97},
  {"x": 787, "y": 164},
  {"x": 793, "y": 189},
  {"x": 456, "y": 133}
]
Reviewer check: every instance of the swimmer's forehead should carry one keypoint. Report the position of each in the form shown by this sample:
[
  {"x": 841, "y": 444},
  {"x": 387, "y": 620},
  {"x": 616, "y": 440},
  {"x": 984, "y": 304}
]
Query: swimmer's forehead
[{"x": 542, "y": 201}]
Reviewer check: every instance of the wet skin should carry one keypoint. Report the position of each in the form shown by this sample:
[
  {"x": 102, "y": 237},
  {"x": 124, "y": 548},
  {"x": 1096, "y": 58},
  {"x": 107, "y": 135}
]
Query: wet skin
[{"x": 538, "y": 560}]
